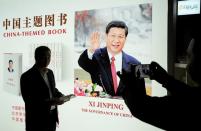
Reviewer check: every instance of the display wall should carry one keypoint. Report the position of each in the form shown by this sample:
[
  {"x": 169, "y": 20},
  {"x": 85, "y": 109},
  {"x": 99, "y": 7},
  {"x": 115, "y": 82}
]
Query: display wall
[{"x": 28, "y": 24}]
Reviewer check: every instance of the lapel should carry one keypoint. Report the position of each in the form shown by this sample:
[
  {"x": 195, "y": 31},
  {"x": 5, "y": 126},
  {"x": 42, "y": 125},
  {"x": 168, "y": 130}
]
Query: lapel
[
  {"x": 104, "y": 61},
  {"x": 125, "y": 62},
  {"x": 42, "y": 82},
  {"x": 49, "y": 76},
  {"x": 126, "y": 67}
]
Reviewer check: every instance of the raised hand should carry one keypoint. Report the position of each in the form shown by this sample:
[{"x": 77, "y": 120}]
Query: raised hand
[{"x": 94, "y": 41}]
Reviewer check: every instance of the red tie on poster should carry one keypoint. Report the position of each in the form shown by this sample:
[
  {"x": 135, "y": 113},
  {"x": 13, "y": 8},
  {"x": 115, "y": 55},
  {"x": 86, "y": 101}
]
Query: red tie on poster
[{"x": 114, "y": 75}]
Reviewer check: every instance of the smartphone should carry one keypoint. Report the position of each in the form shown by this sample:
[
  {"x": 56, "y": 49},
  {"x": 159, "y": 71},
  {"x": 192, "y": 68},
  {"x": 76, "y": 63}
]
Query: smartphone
[
  {"x": 67, "y": 97},
  {"x": 142, "y": 71}
]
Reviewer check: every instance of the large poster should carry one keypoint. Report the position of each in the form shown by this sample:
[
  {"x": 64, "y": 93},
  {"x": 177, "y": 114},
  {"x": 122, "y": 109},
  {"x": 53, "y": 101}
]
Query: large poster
[
  {"x": 65, "y": 27},
  {"x": 138, "y": 44}
]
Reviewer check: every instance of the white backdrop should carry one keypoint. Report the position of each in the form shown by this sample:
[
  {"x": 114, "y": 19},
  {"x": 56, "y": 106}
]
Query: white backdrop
[{"x": 81, "y": 113}]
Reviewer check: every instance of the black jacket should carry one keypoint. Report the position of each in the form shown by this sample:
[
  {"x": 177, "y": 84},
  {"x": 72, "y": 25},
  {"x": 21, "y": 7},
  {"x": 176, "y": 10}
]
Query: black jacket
[{"x": 36, "y": 96}]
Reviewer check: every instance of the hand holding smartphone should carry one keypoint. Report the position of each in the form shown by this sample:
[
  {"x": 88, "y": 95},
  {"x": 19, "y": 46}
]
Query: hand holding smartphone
[
  {"x": 67, "y": 97},
  {"x": 142, "y": 71}
]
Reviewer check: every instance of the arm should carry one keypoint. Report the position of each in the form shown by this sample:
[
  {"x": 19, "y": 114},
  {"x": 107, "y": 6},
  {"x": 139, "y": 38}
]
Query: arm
[
  {"x": 56, "y": 92},
  {"x": 175, "y": 87},
  {"x": 152, "y": 110},
  {"x": 56, "y": 100},
  {"x": 86, "y": 60},
  {"x": 87, "y": 64}
]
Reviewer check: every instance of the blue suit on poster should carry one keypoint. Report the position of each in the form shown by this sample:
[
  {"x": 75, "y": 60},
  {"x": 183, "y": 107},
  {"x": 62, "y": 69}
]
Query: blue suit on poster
[{"x": 100, "y": 71}]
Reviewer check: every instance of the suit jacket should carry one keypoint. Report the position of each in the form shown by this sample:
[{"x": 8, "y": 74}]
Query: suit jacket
[
  {"x": 10, "y": 70},
  {"x": 35, "y": 93},
  {"x": 100, "y": 71}
]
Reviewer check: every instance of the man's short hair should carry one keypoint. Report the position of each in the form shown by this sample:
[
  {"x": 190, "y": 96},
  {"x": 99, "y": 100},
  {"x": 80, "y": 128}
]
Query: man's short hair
[
  {"x": 118, "y": 24},
  {"x": 40, "y": 51},
  {"x": 10, "y": 61}
]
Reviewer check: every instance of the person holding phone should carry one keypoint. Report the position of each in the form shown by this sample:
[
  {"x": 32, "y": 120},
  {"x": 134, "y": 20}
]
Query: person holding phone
[{"x": 180, "y": 109}]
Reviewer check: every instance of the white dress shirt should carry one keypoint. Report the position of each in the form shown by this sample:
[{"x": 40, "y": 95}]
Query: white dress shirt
[
  {"x": 45, "y": 77},
  {"x": 117, "y": 62}
]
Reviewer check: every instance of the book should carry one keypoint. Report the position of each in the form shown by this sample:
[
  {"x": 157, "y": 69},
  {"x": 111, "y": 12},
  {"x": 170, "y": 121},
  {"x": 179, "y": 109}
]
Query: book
[{"x": 12, "y": 72}]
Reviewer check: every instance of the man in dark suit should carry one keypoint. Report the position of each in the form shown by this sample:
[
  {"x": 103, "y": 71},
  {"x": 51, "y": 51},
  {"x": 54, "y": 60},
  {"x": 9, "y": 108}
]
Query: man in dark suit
[
  {"x": 180, "y": 109},
  {"x": 97, "y": 61},
  {"x": 39, "y": 93}
]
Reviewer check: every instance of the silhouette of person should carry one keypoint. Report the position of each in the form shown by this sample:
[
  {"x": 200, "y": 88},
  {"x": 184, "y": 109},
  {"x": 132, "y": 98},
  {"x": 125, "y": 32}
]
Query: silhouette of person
[
  {"x": 39, "y": 93},
  {"x": 178, "y": 111},
  {"x": 97, "y": 61},
  {"x": 10, "y": 66}
]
